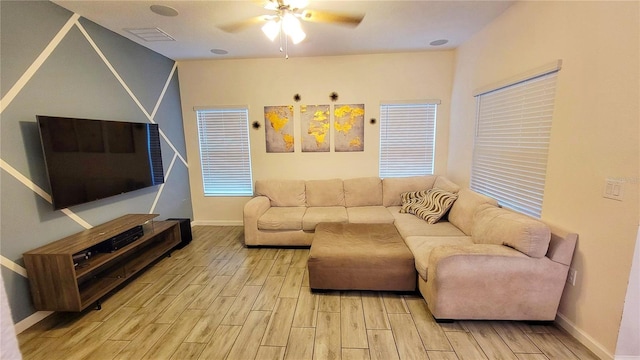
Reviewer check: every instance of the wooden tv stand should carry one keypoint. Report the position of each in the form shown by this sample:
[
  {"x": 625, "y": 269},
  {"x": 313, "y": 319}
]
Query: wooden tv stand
[{"x": 59, "y": 283}]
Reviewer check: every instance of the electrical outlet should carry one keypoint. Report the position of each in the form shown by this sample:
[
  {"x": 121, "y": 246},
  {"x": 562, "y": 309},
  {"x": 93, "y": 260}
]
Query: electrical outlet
[{"x": 571, "y": 277}]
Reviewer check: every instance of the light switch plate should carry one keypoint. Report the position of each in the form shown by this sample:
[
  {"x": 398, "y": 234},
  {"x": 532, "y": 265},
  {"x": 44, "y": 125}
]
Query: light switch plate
[{"x": 613, "y": 189}]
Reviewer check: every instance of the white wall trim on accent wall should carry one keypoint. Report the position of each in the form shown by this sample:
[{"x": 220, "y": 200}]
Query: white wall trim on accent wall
[
  {"x": 24, "y": 79},
  {"x": 44, "y": 55},
  {"x": 164, "y": 90},
  {"x": 128, "y": 90},
  {"x": 173, "y": 148},
  {"x": 43, "y": 194},
  {"x": 113, "y": 70},
  {"x": 76, "y": 218},
  {"x": 624, "y": 357},
  {"x": 13, "y": 266},
  {"x": 216, "y": 223},
  {"x": 17, "y": 88},
  {"x": 583, "y": 337},
  {"x": 25, "y": 181},
  {"x": 155, "y": 201},
  {"x": 155, "y": 109},
  {"x": 29, "y": 321}
]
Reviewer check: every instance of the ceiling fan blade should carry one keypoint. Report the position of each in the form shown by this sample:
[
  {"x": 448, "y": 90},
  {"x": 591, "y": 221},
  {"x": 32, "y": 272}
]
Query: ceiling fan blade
[
  {"x": 331, "y": 17},
  {"x": 268, "y": 4},
  {"x": 241, "y": 25}
]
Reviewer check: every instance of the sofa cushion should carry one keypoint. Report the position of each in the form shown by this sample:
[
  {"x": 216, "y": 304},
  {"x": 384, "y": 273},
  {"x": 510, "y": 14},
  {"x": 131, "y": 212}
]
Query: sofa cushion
[
  {"x": 421, "y": 247},
  {"x": 392, "y": 188},
  {"x": 498, "y": 226},
  {"x": 325, "y": 192},
  {"x": 462, "y": 211},
  {"x": 315, "y": 215},
  {"x": 282, "y": 192},
  {"x": 365, "y": 191},
  {"x": 409, "y": 225},
  {"x": 434, "y": 205},
  {"x": 446, "y": 185},
  {"x": 369, "y": 215},
  {"x": 282, "y": 218}
]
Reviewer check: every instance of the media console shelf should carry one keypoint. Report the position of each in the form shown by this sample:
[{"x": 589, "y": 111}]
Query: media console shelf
[{"x": 61, "y": 283}]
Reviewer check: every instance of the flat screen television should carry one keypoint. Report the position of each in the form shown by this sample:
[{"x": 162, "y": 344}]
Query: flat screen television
[{"x": 87, "y": 160}]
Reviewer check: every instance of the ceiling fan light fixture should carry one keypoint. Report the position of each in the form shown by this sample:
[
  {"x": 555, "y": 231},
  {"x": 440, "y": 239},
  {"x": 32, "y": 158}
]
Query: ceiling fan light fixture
[
  {"x": 290, "y": 23},
  {"x": 291, "y": 26},
  {"x": 271, "y": 29},
  {"x": 297, "y": 36}
]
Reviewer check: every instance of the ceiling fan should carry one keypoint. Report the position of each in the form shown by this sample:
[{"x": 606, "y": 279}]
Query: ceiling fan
[{"x": 286, "y": 19}]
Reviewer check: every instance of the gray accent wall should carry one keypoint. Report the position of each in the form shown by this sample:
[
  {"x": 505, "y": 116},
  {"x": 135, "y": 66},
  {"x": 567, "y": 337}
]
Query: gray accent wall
[{"x": 75, "y": 80}]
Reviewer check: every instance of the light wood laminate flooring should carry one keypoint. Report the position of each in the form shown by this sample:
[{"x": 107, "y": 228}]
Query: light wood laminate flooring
[{"x": 217, "y": 299}]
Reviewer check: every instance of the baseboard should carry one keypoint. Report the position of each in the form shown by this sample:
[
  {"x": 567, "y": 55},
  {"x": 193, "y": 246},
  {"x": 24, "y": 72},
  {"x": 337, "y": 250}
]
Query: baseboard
[
  {"x": 217, "y": 223},
  {"x": 31, "y": 320},
  {"x": 627, "y": 357},
  {"x": 583, "y": 338}
]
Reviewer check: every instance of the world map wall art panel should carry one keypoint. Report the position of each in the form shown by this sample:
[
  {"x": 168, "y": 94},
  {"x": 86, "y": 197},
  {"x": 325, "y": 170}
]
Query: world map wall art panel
[
  {"x": 315, "y": 128},
  {"x": 349, "y": 127},
  {"x": 279, "y": 128}
]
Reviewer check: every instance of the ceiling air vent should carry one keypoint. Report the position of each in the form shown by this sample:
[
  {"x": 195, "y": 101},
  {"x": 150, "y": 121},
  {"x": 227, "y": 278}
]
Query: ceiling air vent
[{"x": 150, "y": 34}]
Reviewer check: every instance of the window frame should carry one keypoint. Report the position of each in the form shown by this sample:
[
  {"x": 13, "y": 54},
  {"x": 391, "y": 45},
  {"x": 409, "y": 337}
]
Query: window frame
[
  {"x": 510, "y": 153},
  {"x": 214, "y": 157},
  {"x": 393, "y": 160}
]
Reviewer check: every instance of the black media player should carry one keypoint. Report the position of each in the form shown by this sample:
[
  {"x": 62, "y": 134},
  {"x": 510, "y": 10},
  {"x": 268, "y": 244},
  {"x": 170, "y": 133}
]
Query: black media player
[{"x": 121, "y": 240}]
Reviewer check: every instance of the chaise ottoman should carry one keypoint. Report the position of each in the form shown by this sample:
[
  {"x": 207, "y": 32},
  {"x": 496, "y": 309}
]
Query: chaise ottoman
[{"x": 360, "y": 257}]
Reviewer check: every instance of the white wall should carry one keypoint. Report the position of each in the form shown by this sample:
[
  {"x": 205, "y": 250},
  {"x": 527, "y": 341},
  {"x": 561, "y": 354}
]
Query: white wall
[
  {"x": 628, "y": 346},
  {"x": 360, "y": 79},
  {"x": 595, "y": 135}
]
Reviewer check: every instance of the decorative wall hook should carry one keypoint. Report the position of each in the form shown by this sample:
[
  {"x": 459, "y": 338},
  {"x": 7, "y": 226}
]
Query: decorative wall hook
[
  {"x": 372, "y": 121},
  {"x": 297, "y": 97},
  {"x": 256, "y": 125},
  {"x": 333, "y": 96}
]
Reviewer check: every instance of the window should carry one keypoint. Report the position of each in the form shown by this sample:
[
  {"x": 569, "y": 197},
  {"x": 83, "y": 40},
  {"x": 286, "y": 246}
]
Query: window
[
  {"x": 512, "y": 142},
  {"x": 407, "y": 139},
  {"x": 224, "y": 152}
]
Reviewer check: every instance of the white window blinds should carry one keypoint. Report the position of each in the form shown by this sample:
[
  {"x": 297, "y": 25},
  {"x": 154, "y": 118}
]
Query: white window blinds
[
  {"x": 407, "y": 139},
  {"x": 512, "y": 143},
  {"x": 224, "y": 152}
]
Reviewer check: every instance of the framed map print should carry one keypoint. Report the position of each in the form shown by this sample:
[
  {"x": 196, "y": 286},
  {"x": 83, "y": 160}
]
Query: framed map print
[
  {"x": 315, "y": 121},
  {"x": 349, "y": 127},
  {"x": 279, "y": 128}
]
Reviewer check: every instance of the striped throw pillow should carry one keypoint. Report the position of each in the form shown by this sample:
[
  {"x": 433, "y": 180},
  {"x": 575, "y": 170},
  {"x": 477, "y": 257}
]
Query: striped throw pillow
[
  {"x": 434, "y": 205},
  {"x": 410, "y": 199}
]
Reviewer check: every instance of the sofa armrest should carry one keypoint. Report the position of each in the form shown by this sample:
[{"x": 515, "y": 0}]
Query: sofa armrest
[
  {"x": 456, "y": 260},
  {"x": 562, "y": 245},
  {"x": 485, "y": 281},
  {"x": 252, "y": 211}
]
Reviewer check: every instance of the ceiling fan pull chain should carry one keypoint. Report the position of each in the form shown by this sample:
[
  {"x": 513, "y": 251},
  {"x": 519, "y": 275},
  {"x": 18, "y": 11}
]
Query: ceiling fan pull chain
[
  {"x": 280, "y": 34},
  {"x": 286, "y": 47}
]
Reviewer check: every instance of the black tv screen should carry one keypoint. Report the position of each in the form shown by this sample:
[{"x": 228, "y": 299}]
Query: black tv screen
[{"x": 87, "y": 160}]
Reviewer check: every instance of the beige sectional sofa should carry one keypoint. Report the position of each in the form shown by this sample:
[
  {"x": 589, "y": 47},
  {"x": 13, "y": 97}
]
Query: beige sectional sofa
[{"x": 479, "y": 262}]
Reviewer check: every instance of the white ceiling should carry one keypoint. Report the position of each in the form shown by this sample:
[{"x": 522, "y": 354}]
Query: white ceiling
[{"x": 388, "y": 26}]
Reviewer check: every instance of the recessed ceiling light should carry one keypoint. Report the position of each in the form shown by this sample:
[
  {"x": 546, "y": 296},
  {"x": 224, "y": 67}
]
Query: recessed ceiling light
[
  {"x": 164, "y": 10},
  {"x": 438, "y": 42},
  {"x": 219, "y": 51}
]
